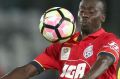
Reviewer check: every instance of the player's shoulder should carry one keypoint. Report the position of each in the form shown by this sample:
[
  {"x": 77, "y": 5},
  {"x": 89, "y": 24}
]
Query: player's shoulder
[{"x": 111, "y": 35}]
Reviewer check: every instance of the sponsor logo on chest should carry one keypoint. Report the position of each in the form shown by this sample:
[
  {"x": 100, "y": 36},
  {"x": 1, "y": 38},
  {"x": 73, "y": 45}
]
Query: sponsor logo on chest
[
  {"x": 74, "y": 69},
  {"x": 65, "y": 53},
  {"x": 73, "y": 72}
]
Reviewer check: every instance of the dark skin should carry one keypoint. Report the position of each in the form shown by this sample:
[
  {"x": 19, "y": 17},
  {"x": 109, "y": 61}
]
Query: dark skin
[
  {"x": 91, "y": 18},
  {"x": 24, "y": 72}
]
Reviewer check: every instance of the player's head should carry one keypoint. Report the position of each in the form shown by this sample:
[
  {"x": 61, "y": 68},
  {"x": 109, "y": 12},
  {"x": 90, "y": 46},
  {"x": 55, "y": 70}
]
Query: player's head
[{"x": 91, "y": 14}]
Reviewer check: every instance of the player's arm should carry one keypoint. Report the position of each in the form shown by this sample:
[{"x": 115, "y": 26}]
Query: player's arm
[
  {"x": 103, "y": 62},
  {"x": 24, "y": 72}
]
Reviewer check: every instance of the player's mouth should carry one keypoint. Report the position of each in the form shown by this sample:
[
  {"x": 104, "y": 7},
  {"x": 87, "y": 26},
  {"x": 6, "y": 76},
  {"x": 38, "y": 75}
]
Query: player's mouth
[{"x": 84, "y": 22}]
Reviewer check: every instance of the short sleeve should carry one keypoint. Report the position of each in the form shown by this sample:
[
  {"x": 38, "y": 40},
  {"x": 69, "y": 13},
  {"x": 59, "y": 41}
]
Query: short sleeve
[
  {"x": 49, "y": 59},
  {"x": 111, "y": 45}
]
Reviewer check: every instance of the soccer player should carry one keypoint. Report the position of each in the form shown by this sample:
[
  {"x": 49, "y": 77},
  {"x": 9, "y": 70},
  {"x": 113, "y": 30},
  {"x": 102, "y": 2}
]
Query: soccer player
[{"x": 93, "y": 56}]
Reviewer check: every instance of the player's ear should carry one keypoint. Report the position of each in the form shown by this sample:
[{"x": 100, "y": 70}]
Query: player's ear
[{"x": 102, "y": 17}]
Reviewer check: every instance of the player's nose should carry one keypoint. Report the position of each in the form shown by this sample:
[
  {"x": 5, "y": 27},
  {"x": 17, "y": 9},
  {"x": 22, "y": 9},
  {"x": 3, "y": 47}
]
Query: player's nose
[{"x": 85, "y": 15}]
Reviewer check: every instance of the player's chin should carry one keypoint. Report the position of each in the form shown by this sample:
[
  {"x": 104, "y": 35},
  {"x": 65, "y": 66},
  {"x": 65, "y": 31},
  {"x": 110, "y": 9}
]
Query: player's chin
[{"x": 84, "y": 25}]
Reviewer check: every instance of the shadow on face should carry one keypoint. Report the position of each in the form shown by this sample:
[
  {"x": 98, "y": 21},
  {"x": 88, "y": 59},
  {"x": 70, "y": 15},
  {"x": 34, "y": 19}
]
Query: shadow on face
[{"x": 90, "y": 15}]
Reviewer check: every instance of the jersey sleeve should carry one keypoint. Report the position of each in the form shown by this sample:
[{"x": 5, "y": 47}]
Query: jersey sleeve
[
  {"x": 111, "y": 45},
  {"x": 49, "y": 58}
]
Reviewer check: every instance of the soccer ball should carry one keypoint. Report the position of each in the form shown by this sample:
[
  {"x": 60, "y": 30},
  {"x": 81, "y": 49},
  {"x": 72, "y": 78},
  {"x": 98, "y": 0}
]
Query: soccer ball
[{"x": 57, "y": 24}]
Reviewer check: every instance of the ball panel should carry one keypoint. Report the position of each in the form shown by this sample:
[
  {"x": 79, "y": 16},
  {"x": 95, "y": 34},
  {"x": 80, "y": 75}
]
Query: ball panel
[
  {"x": 65, "y": 29},
  {"x": 52, "y": 18},
  {"x": 67, "y": 14},
  {"x": 53, "y": 8},
  {"x": 41, "y": 24},
  {"x": 50, "y": 34}
]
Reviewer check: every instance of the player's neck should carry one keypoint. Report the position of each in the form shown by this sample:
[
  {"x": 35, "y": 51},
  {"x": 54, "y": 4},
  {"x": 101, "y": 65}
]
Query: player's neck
[{"x": 84, "y": 34}]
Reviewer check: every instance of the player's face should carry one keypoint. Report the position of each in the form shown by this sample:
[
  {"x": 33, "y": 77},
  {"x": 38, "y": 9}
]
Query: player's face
[{"x": 90, "y": 15}]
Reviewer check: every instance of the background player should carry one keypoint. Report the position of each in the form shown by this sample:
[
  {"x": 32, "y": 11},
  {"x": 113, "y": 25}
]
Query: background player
[{"x": 95, "y": 56}]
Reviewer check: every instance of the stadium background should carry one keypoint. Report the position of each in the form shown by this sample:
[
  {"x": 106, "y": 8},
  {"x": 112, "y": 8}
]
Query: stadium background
[{"x": 20, "y": 40}]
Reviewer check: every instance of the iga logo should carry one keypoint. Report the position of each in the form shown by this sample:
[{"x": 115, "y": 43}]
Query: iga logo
[{"x": 73, "y": 71}]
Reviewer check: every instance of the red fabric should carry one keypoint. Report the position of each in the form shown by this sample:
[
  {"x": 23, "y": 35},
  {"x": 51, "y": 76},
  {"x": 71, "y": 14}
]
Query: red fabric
[{"x": 74, "y": 59}]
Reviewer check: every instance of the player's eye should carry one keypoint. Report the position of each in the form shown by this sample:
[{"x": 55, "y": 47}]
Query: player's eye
[
  {"x": 92, "y": 12},
  {"x": 81, "y": 12}
]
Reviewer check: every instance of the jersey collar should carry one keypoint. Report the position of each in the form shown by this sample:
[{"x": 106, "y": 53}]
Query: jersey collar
[
  {"x": 74, "y": 38},
  {"x": 97, "y": 33}
]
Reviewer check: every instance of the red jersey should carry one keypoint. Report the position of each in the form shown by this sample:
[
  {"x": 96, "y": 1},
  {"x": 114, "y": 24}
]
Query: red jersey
[{"x": 74, "y": 59}]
